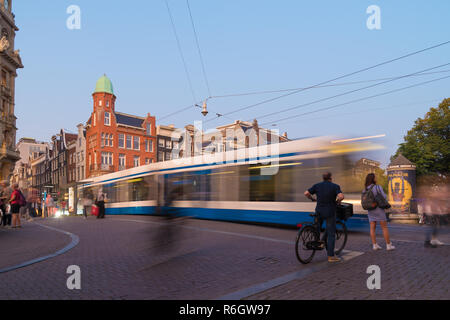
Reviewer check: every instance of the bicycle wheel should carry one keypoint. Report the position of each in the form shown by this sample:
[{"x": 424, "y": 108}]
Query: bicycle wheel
[
  {"x": 303, "y": 244},
  {"x": 341, "y": 237}
]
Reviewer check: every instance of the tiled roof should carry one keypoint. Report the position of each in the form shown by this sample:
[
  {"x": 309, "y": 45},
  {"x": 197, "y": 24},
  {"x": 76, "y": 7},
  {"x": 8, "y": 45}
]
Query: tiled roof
[
  {"x": 400, "y": 160},
  {"x": 129, "y": 120}
]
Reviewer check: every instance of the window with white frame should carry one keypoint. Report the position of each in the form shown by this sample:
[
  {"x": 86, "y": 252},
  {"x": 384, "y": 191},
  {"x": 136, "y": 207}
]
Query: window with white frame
[
  {"x": 148, "y": 160},
  {"x": 107, "y": 118},
  {"x": 136, "y": 143},
  {"x": 129, "y": 142},
  {"x": 149, "y": 145},
  {"x": 149, "y": 129},
  {"x": 107, "y": 158},
  {"x": 122, "y": 160},
  {"x": 121, "y": 140},
  {"x": 136, "y": 161}
]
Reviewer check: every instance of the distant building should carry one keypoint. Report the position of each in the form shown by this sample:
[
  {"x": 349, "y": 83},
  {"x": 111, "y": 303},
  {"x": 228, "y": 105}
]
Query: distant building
[
  {"x": 365, "y": 166},
  {"x": 168, "y": 138},
  {"x": 237, "y": 135},
  {"x": 28, "y": 149},
  {"x": 59, "y": 164},
  {"x": 81, "y": 153},
  {"x": 9, "y": 62},
  {"x": 115, "y": 140}
]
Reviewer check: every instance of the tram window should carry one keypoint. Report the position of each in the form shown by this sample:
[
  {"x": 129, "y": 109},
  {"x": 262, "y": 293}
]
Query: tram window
[
  {"x": 262, "y": 187},
  {"x": 195, "y": 185},
  {"x": 139, "y": 189},
  {"x": 110, "y": 192},
  {"x": 122, "y": 191}
]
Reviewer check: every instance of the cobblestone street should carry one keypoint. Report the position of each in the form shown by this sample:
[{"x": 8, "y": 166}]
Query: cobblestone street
[{"x": 120, "y": 257}]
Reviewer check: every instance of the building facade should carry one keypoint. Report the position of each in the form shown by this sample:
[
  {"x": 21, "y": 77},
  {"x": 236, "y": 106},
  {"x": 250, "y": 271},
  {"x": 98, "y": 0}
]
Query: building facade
[
  {"x": 168, "y": 138},
  {"x": 59, "y": 166},
  {"x": 115, "y": 140},
  {"x": 28, "y": 149},
  {"x": 237, "y": 135},
  {"x": 81, "y": 153},
  {"x": 9, "y": 62}
]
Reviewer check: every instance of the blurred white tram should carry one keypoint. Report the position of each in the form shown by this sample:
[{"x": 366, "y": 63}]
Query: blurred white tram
[{"x": 263, "y": 184}]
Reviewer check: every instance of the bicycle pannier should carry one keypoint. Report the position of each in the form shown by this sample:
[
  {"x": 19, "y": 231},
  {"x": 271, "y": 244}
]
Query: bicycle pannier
[{"x": 344, "y": 211}]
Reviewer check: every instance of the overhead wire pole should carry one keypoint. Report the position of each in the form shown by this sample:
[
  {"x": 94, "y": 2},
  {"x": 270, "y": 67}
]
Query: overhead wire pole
[
  {"x": 337, "y": 78},
  {"x": 352, "y": 91},
  {"x": 356, "y": 100}
]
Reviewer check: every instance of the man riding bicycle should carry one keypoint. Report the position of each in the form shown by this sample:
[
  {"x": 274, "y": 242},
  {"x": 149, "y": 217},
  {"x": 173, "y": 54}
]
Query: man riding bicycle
[{"x": 328, "y": 195}]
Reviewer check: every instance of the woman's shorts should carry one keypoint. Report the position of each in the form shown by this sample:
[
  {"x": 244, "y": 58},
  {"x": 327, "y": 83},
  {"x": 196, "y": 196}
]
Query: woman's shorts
[{"x": 15, "y": 208}]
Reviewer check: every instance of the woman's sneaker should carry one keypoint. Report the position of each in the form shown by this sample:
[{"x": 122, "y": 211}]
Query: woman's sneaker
[
  {"x": 376, "y": 247},
  {"x": 389, "y": 247},
  {"x": 436, "y": 242}
]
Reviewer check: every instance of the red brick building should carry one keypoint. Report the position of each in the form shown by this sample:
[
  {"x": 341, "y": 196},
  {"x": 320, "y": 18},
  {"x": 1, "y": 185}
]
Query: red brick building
[{"x": 115, "y": 140}]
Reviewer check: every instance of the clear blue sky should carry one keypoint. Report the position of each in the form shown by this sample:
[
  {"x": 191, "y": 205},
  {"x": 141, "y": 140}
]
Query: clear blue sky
[{"x": 247, "y": 46}]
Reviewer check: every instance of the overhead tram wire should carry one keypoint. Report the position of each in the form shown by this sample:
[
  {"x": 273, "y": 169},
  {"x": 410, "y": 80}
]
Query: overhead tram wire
[
  {"x": 356, "y": 100},
  {"x": 351, "y": 91},
  {"x": 317, "y": 87},
  {"x": 367, "y": 110},
  {"x": 334, "y": 79},
  {"x": 198, "y": 48},
  {"x": 181, "y": 52},
  {"x": 293, "y": 89}
]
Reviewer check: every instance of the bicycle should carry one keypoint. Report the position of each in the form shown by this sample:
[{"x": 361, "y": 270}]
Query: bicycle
[{"x": 308, "y": 239}]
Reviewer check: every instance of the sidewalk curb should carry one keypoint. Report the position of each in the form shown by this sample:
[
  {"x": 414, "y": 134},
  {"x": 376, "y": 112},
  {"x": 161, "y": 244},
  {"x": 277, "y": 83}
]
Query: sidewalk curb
[{"x": 72, "y": 244}]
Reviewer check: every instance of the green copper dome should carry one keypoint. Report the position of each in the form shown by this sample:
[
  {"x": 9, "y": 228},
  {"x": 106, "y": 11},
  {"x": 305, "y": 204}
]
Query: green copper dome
[{"x": 104, "y": 85}]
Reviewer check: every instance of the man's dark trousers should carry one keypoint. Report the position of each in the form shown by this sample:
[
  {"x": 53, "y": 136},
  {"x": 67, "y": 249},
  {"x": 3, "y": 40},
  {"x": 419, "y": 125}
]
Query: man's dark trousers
[
  {"x": 101, "y": 209},
  {"x": 330, "y": 231}
]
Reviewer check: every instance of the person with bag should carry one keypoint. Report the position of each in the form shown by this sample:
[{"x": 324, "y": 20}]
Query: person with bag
[
  {"x": 100, "y": 203},
  {"x": 5, "y": 195},
  {"x": 87, "y": 203},
  {"x": 328, "y": 195},
  {"x": 374, "y": 200},
  {"x": 17, "y": 201}
]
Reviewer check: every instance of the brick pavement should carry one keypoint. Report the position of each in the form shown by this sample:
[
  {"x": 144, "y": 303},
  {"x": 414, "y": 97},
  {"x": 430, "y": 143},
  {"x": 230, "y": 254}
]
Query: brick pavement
[
  {"x": 27, "y": 243},
  {"x": 119, "y": 259}
]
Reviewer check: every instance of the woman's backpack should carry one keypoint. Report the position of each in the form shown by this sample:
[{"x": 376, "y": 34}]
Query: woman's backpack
[
  {"x": 21, "y": 199},
  {"x": 368, "y": 201},
  {"x": 381, "y": 201}
]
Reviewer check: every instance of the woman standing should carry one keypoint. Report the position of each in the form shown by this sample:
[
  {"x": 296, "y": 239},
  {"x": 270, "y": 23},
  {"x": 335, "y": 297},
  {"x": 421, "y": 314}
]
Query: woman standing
[
  {"x": 15, "y": 206},
  {"x": 377, "y": 215}
]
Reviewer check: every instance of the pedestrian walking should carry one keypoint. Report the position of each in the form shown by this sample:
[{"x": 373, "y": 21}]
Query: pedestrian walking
[
  {"x": 17, "y": 201},
  {"x": 87, "y": 203},
  {"x": 100, "y": 202},
  {"x": 328, "y": 195},
  {"x": 377, "y": 214},
  {"x": 50, "y": 205},
  {"x": 436, "y": 214},
  {"x": 5, "y": 195}
]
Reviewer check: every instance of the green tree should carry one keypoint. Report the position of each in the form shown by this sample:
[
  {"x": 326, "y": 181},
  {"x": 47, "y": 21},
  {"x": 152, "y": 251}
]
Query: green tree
[{"x": 427, "y": 143}]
